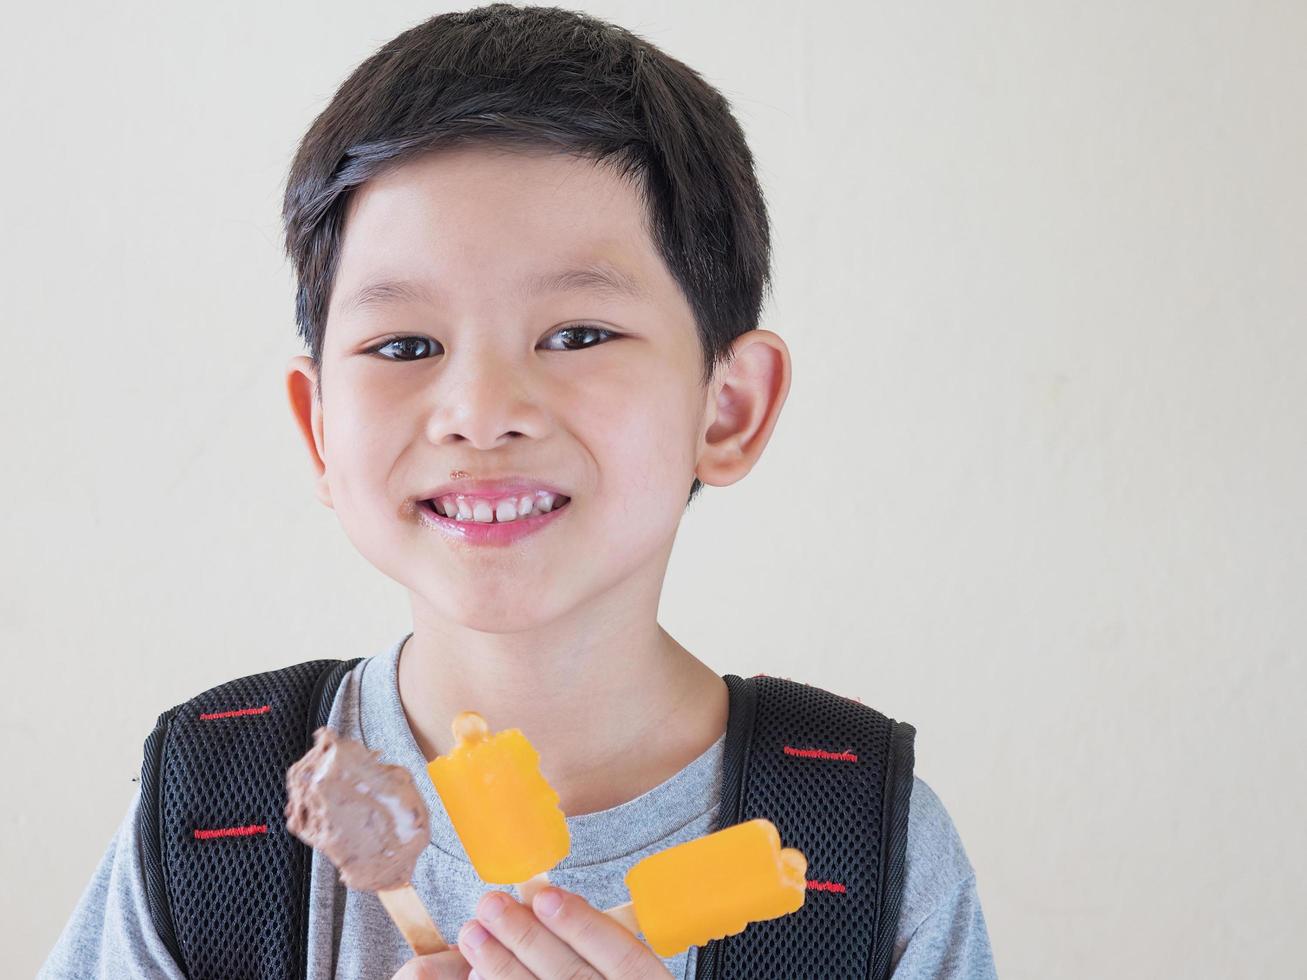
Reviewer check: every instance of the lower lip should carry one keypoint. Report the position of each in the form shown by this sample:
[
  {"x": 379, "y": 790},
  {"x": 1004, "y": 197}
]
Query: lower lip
[{"x": 493, "y": 533}]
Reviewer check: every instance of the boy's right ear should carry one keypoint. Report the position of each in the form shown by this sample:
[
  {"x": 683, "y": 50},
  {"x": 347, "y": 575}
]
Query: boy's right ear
[{"x": 301, "y": 387}]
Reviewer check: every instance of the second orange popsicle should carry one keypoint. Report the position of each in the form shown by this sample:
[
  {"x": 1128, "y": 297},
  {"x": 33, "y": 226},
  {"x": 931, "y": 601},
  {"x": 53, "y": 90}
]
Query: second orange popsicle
[{"x": 715, "y": 886}]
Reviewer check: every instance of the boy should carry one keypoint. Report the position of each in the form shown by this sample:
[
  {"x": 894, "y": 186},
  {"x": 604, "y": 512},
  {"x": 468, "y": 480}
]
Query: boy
[{"x": 531, "y": 253}]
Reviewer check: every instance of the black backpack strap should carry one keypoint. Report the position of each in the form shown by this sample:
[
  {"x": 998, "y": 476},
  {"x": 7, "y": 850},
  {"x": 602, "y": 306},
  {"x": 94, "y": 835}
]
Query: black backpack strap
[
  {"x": 226, "y": 883},
  {"x": 835, "y": 777}
]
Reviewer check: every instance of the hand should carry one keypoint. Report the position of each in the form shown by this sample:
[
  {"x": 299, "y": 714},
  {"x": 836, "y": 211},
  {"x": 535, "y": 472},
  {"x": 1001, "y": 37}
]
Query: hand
[
  {"x": 448, "y": 965},
  {"x": 561, "y": 937}
]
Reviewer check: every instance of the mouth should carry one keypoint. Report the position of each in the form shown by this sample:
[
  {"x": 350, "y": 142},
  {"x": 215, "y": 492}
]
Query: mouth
[{"x": 560, "y": 503}]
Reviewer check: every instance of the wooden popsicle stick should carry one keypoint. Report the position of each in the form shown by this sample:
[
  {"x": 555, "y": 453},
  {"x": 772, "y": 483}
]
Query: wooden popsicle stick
[
  {"x": 625, "y": 914},
  {"x": 413, "y": 920},
  {"x": 527, "y": 890}
]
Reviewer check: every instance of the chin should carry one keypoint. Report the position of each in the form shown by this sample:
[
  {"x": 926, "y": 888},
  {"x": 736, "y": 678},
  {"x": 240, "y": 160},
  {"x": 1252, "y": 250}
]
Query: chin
[
  {"x": 499, "y": 621},
  {"x": 513, "y": 612}
]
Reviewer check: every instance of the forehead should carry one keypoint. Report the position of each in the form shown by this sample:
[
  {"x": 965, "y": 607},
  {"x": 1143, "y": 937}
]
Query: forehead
[{"x": 469, "y": 217}]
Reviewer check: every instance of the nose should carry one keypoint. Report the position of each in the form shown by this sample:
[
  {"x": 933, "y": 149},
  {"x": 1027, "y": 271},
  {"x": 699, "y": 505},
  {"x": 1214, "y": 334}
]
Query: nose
[{"x": 484, "y": 399}]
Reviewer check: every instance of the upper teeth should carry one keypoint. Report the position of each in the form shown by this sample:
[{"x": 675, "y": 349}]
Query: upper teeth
[{"x": 484, "y": 510}]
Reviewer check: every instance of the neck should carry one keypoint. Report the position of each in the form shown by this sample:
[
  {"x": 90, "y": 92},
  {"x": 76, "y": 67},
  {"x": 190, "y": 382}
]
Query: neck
[{"x": 612, "y": 715}]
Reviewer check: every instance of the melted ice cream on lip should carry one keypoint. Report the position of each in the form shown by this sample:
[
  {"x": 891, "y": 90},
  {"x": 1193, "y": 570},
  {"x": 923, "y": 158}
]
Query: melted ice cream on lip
[{"x": 366, "y": 816}]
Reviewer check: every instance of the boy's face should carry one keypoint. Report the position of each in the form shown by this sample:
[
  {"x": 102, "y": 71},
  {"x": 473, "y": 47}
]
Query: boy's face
[{"x": 493, "y": 389}]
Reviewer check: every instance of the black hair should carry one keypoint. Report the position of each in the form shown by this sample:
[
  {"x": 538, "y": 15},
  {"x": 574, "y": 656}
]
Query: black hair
[{"x": 562, "y": 80}]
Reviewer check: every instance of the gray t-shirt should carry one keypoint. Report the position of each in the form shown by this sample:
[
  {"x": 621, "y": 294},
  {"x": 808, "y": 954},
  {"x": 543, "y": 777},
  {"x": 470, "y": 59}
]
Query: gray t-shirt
[{"x": 941, "y": 932}]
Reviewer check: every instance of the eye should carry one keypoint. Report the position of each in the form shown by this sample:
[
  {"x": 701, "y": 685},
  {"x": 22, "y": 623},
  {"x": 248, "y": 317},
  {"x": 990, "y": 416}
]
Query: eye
[
  {"x": 398, "y": 341},
  {"x": 584, "y": 330}
]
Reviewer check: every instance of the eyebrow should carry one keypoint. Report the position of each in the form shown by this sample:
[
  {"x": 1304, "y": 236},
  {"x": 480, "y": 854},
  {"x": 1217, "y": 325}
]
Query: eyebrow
[{"x": 596, "y": 277}]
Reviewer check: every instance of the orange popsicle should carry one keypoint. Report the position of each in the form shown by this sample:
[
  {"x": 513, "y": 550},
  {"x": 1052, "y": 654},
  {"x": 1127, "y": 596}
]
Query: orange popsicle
[
  {"x": 714, "y": 886},
  {"x": 504, "y": 812}
]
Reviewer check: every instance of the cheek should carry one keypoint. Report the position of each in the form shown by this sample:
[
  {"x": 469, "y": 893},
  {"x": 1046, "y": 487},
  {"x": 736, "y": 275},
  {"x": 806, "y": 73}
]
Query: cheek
[
  {"x": 362, "y": 438},
  {"x": 643, "y": 440}
]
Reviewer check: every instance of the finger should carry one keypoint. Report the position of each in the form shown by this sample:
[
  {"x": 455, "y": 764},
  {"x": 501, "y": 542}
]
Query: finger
[
  {"x": 449, "y": 965},
  {"x": 489, "y": 959},
  {"x": 602, "y": 941},
  {"x": 519, "y": 931}
]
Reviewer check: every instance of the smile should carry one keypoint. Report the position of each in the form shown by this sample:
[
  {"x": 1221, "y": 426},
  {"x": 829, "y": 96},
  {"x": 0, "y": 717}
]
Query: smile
[
  {"x": 466, "y": 508},
  {"x": 486, "y": 527}
]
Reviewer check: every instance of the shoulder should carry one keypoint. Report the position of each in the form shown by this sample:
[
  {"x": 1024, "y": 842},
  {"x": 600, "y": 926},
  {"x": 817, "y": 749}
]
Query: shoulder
[
  {"x": 941, "y": 933},
  {"x": 292, "y": 689},
  {"x": 936, "y": 866},
  {"x": 111, "y": 932}
]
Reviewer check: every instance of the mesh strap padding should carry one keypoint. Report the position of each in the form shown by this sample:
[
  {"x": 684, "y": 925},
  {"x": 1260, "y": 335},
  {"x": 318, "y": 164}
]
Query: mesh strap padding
[
  {"x": 848, "y": 818},
  {"x": 232, "y": 907}
]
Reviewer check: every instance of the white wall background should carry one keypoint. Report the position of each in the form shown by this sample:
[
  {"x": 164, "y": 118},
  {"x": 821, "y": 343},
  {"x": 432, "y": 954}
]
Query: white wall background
[{"x": 1038, "y": 489}]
